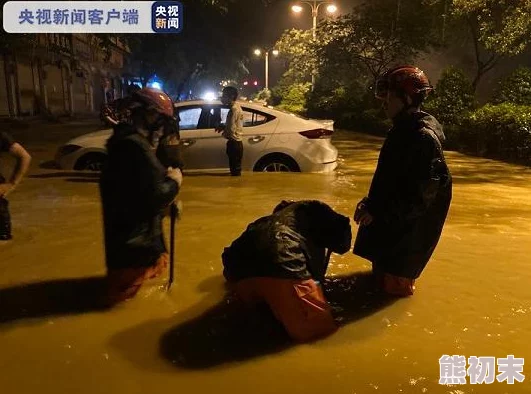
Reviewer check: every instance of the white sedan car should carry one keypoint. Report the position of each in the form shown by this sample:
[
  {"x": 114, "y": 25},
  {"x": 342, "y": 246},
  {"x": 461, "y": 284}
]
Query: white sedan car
[{"x": 273, "y": 140}]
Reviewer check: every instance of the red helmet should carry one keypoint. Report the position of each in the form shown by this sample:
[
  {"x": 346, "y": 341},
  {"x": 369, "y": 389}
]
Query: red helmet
[
  {"x": 410, "y": 80},
  {"x": 153, "y": 99}
]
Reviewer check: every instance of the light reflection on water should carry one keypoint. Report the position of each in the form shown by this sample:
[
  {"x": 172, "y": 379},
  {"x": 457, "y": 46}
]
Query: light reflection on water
[{"x": 473, "y": 298}]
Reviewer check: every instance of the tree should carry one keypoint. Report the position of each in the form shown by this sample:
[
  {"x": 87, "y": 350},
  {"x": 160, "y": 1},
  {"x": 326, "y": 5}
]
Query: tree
[
  {"x": 299, "y": 52},
  {"x": 357, "y": 42},
  {"x": 516, "y": 88},
  {"x": 497, "y": 28},
  {"x": 351, "y": 51},
  {"x": 293, "y": 97},
  {"x": 379, "y": 34},
  {"x": 412, "y": 25},
  {"x": 504, "y": 26},
  {"x": 453, "y": 97}
]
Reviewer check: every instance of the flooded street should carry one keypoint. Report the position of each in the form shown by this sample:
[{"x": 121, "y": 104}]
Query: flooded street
[{"x": 473, "y": 299}]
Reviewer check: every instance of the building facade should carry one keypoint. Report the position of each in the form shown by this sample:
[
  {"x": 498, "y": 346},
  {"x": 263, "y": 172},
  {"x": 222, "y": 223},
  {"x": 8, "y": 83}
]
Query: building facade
[{"x": 61, "y": 74}]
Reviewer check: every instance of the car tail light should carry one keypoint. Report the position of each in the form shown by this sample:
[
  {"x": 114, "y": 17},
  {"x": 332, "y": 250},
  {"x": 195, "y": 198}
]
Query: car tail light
[{"x": 317, "y": 133}]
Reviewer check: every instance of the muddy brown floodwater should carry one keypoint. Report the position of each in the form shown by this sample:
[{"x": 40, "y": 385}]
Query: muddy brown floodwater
[{"x": 474, "y": 298}]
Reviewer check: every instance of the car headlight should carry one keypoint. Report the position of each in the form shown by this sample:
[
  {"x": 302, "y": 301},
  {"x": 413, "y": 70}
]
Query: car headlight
[{"x": 67, "y": 149}]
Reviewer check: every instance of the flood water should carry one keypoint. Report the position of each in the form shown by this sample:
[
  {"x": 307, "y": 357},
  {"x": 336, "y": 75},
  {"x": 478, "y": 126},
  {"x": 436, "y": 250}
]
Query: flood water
[{"x": 473, "y": 299}]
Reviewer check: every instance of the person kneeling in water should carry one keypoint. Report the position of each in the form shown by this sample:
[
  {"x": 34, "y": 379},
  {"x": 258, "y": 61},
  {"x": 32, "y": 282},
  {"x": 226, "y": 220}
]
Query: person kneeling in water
[{"x": 281, "y": 259}]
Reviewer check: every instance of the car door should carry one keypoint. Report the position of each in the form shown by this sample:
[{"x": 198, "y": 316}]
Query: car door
[
  {"x": 189, "y": 117},
  {"x": 258, "y": 127},
  {"x": 213, "y": 144}
]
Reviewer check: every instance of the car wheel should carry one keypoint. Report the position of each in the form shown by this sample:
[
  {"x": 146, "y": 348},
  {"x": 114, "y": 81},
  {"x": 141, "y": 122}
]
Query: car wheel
[
  {"x": 277, "y": 163},
  {"x": 91, "y": 162}
]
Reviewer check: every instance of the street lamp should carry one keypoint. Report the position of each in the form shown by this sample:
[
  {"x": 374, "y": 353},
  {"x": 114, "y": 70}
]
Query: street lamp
[
  {"x": 314, "y": 5},
  {"x": 274, "y": 52},
  {"x": 296, "y": 8}
]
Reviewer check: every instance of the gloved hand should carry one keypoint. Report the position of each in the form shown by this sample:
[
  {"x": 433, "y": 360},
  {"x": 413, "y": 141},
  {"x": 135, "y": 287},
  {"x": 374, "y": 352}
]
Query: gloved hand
[
  {"x": 176, "y": 175},
  {"x": 362, "y": 216}
]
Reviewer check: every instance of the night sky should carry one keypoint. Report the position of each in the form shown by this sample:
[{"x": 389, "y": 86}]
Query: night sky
[{"x": 279, "y": 18}]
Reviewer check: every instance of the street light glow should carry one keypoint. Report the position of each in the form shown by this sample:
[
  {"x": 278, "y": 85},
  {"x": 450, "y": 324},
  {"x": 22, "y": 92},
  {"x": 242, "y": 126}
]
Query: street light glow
[
  {"x": 296, "y": 8},
  {"x": 209, "y": 96},
  {"x": 257, "y": 52},
  {"x": 275, "y": 52},
  {"x": 331, "y": 8}
]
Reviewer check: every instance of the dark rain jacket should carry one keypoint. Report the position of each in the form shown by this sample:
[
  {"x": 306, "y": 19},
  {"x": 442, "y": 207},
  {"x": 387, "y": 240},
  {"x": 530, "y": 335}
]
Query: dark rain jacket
[
  {"x": 409, "y": 198},
  {"x": 288, "y": 244},
  {"x": 134, "y": 192},
  {"x": 169, "y": 147}
]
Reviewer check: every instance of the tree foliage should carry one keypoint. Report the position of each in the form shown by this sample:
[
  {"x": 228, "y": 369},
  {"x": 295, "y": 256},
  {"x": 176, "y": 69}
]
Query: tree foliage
[
  {"x": 453, "y": 97},
  {"x": 299, "y": 51},
  {"x": 516, "y": 88},
  {"x": 294, "y": 97},
  {"x": 499, "y": 131},
  {"x": 497, "y": 28},
  {"x": 386, "y": 32},
  {"x": 357, "y": 42},
  {"x": 351, "y": 51},
  {"x": 504, "y": 26}
]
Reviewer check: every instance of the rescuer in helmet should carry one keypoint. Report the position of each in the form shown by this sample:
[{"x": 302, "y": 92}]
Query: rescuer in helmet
[
  {"x": 135, "y": 191},
  {"x": 403, "y": 215}
]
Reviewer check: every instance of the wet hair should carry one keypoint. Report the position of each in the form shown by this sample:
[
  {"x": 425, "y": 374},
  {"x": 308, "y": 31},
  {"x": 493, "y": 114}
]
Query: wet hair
[{"x": 230, "y": 91}]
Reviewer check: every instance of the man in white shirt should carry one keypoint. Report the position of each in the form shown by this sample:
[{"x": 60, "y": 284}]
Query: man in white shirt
[{"x": 233, "y": 130}]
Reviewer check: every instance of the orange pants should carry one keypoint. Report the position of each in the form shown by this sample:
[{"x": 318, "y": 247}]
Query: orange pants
[
  {"x": 123, "y": 284},
  {"x": 299, "y": 305},
  {"x": 396, "y": 285}
]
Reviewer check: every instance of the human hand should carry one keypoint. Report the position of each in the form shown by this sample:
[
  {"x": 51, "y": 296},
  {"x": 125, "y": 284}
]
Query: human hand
[
  {"x": 362, "y": 216},
  {"x": 5, "y": 189},
  {"x": 176, "y": 175}
]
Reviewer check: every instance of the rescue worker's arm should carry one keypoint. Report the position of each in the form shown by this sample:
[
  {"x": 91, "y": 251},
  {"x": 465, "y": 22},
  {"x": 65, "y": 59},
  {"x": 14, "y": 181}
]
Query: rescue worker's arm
[
  {"x": 176, "y": 175},
  {"x": 144, "y": 183},
  {"x": 169, "y": 151},
  {"x": 108, "y": 116},
  {"x": 111, "y": 121},
  {"x": 23, "y": 159},
  {"x": 165, "y": 189},
  {"x": 362, "y": 216}
]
